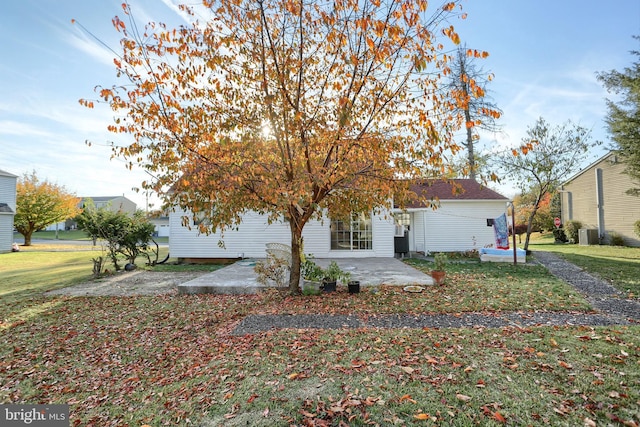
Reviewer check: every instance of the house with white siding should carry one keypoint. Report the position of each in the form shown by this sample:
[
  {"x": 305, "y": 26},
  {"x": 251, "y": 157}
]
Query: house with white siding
[
  {"x": 463, "y": 220},
  {"x": 7, "y": 209},
  {"x": 597, "y": 197},
  {"x": 459, "y": 224}
]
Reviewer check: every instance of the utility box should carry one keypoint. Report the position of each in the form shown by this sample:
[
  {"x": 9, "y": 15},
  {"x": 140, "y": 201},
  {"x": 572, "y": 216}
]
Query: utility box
[{"x": 588, "y": 236}]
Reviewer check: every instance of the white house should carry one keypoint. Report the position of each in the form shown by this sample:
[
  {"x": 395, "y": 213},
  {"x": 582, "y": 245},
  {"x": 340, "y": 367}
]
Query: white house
[
  {"x": 7, "y": 209},
  {"x": 462, "y": 221},
  {"x": 459, "y": 224}
]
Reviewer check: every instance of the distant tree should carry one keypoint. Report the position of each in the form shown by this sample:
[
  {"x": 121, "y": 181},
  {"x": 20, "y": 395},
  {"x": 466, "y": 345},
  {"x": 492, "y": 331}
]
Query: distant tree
[
  {"x": 525, "y": 204},
  {"x": 557, "y": 151},
  {"x": 623, "y": 117},
  {"x": 124, "y": 235},
  {"x": 40, "y": 204},
  {"x": 288, "y": 109},
  {"x": 472, "y": 103}
]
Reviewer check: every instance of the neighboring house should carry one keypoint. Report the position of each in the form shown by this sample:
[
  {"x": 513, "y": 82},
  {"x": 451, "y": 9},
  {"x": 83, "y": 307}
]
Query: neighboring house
[
  {"x": 596, "y": 196},
  {"x": 7, "y": 209},
  {"x": 161, "y": 224},
  {"x": 113, "y": 203},
  {"x": 459, "y": 224}
]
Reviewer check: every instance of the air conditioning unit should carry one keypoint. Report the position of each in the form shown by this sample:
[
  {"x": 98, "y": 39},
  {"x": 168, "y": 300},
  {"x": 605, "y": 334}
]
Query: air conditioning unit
[{"x": 588, "y": 236}]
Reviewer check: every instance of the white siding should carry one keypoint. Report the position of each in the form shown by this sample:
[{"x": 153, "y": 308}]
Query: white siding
[
  {"x": 8, "y": 196},
  {"x": 458, "y": 226},
  {"x": 254, "y": 232}
]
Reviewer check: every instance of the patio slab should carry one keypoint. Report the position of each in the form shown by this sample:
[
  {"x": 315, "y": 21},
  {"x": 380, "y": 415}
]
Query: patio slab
[{"x": 239, "y": 278}]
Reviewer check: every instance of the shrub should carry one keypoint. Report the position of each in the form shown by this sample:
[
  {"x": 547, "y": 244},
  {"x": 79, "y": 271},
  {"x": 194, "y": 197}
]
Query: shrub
[
  {"x": 636, "y": 227},
  {"x": 616, "y": 239},
  {"x": 571, "y": 230},
  {"x": 560, "y": 236}
]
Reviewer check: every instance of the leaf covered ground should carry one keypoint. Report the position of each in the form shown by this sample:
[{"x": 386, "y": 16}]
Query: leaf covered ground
[{"x": 171, "y": 360}]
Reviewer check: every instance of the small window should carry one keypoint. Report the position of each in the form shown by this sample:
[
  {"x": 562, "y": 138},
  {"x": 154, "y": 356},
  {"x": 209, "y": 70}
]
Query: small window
[{"x": 402, "y": 221}]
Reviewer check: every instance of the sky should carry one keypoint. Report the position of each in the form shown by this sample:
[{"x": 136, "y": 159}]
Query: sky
[{"x": 544, "y": 55}]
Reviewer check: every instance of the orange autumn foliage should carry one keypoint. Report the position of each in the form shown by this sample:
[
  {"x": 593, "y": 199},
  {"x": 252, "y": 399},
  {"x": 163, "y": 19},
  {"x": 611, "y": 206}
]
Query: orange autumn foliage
[{"x": 285, "y": 108}]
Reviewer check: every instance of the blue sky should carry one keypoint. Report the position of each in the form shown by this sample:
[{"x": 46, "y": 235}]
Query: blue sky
[{"x": 544, "y": 55}]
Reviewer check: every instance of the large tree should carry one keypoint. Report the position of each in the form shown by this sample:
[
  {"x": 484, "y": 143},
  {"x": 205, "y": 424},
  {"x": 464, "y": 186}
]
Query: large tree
[
  {"x": 288, "y": 108},
  {"x": 624, "y": 116},
  {"x": 472, "y": 104},
  {"x": 41, "y": 203},
  {"x": 557, "y": 151}
]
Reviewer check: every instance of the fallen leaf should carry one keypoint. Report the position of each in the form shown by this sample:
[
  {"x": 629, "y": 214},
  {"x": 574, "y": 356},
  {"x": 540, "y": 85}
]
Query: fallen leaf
[
  {"x": 407, "y": 369},
  {"x": 498, "y": 417},
  {"x": 463, "y": 397},
  {"x": 565, "y": 365},
  {"x": 421, "y": 416},
  {"x": 588, "y": 422}
]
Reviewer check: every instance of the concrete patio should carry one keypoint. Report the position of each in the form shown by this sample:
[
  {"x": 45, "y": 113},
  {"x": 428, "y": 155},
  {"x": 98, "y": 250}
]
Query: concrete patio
[{"x": 240, "y": 278}]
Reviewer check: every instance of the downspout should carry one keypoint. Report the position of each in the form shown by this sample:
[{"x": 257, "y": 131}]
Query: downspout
[{"x": 600, "y": 204}]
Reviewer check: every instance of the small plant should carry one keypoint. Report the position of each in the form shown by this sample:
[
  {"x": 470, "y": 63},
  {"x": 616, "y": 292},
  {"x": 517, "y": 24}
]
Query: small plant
[
  {"x": 616, "y": 239},
  {"x": 571, "y": 230},
  {"x": 559, "y": 235},
  {"x": 334, "y": 273},
  {"x": 440, "y": 261},
  {"x": 636, "y": 227},
  {"x": 311, "y": 271},
  {"x": 274, "y": 269}
]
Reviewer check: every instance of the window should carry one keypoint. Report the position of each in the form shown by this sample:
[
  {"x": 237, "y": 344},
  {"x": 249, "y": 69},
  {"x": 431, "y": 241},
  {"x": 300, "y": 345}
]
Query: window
[
  {"x": 403, "y": 221},
  {"x": 356, "y": 234}
]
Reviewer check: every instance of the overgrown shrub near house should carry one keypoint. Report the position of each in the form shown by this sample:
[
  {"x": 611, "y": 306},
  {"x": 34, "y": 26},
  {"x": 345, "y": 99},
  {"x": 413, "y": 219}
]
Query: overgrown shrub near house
[
  {"x": 616, "y": 239},
  {"x": 559, "y": 235},
  {"x": 636, "y": 227},
  {"x": 571, "y": 230}
]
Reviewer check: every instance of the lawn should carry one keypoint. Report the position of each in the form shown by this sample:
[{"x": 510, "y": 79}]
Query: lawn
[
  {"x": 171, "y": 360},
  {"x": 618, "y": 265}
]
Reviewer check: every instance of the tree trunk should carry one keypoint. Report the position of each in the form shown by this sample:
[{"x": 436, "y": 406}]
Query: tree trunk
[
  {"x": 27, "y": 233},
  {"x": 530, "y": 221},
  {"x": 469, "y": 144},
  {"x": 294, "y": 274}
]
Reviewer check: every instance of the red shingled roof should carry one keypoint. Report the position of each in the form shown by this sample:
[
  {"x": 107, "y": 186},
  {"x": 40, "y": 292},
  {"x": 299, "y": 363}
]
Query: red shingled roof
[{"x": 455, "y": 189}]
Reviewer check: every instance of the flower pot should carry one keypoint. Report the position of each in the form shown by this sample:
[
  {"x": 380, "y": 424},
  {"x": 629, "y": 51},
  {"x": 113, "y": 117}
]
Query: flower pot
[
  {"x": 310, "y": 287},
  {"x": 329, "y": 286},
  {"x": 354, "y": 287},
  {"x": 438, "y": 277}
]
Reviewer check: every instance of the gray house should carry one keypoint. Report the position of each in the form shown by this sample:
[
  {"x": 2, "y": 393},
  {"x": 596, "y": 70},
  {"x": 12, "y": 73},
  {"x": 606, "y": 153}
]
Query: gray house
[{"x": 7, "y": 209}]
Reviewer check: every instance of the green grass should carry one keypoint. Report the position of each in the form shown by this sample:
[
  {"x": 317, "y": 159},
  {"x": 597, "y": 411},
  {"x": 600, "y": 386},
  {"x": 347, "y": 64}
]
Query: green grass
[
  {"x": 170, "y": 360},
  {"x": 618, "y": 265}
]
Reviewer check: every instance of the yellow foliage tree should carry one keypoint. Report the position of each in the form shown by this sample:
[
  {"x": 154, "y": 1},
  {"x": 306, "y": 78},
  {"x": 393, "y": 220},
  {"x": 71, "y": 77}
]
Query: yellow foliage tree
[
  {"x": 292, "y": 109},
  {"x": 41, "y": 203}
]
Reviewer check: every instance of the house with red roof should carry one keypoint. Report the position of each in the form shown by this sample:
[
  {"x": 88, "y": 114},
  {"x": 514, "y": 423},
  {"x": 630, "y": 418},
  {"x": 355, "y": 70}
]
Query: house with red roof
[{"x": 445, "y": 216}]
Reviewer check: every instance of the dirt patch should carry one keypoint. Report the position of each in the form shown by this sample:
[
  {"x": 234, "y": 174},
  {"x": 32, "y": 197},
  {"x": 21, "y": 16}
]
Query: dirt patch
[{"x": 139, "y": 282}]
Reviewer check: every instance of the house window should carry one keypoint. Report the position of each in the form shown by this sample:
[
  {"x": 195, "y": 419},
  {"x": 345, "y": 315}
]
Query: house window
[
  {"x": 402, "y": 221},
  {"x": 356, "y": 234}
]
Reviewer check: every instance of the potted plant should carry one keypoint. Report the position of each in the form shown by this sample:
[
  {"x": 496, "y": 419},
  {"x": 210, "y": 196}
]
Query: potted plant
[
  {"x": 312, "y": 277},
  {"x": 332, "y": 274},
  {"x": 438, "y": 273}
]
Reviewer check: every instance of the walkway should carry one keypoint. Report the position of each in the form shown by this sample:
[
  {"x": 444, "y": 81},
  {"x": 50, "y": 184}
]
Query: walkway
[{"x": 613, "y": 308}]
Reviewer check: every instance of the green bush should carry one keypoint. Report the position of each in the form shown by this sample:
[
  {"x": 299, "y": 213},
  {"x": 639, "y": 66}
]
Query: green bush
[
  {"x": 636, "y": 227},
  {"x": 571, "y": 230},
  {"x": 616, "y": 239},
  {"x": 559, "y": 235}
]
